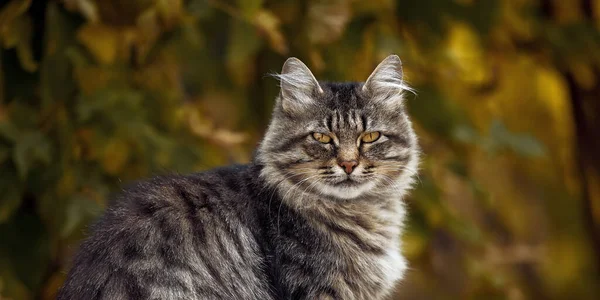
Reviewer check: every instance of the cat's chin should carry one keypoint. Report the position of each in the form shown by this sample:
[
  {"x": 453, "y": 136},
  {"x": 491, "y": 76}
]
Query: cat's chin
[{"x": 346, "y": 191}]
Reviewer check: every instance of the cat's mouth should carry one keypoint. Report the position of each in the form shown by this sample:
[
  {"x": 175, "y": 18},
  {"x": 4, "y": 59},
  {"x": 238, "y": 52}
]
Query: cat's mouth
[
  {"x": 347, "y": 187},
  {"x": 348, "y": 181}
]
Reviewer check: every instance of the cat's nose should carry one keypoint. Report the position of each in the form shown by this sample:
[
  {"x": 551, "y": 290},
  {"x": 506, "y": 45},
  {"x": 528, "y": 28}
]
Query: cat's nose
[{"x": 348, "y": 165}]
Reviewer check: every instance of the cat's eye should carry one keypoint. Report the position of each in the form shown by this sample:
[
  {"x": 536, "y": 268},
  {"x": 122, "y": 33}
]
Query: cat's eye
[
  {"x": 370, "y": 137},
  {"x": 323, "y": 138}
]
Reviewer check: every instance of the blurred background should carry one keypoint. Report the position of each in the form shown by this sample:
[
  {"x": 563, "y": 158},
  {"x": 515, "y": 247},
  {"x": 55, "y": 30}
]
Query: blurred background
[{"x": 97, "y": 93}]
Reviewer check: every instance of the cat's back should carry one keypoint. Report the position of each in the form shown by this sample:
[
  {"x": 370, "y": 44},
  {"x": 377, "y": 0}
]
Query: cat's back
[
  {"x": 189, "y": 197},
  {"x": 174, "y": 237}
]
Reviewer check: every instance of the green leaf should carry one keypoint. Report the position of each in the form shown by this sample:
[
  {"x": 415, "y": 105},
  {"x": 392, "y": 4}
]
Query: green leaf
[
  {"x": 28, "y": 258},
  {"x": 4, "y": 154},
  {"x": 101, "y": 41},
  {"x": 56, "y": 80},
  {"x": 9, "y": 131},
  {"x": 16, "y": 31},
  {"x": 10, "y": 286},
  {"x": 24, "y": 50},
  {"x": 431, "y": 16},
  {"x": 325, "y": 30},
  {"x": 465, "y": 230},
  {"x": 249, "y": 8},
  {"x": 112, "y": 105},
  {"x": 9, "y": 202},
  {"x": 527, "y": 145},
  {"x": 465, "y": 134},
  {"x": 523, "y": 144},
  {"x": 11, "y": 195},
  {"x": 426, "y": 14},
  {"x": 12, "y": 11},
  {"x": 459, "y": 168},
  {"x": 439, "y": 115},
  {"x": 22, "y": 115},
  {"x": 200, "y": 9},
  {"x": 80, "y": 209},
  {"x": 244, "y": 43},
  {"x": 31, "y": 148}
]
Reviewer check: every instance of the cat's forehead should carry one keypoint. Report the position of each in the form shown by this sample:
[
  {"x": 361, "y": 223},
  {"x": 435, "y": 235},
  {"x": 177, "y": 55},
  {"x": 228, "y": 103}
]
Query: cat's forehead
[{"x": 342, "y": 96}]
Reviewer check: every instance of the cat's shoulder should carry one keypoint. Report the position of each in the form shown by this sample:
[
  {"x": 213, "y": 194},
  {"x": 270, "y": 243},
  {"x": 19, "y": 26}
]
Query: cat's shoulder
[{"x": 184, "y": 193}]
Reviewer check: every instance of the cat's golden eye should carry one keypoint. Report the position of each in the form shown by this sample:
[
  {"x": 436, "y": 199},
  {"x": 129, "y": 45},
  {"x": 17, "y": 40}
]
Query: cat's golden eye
[
  {"x": 323, "y": 138},
  {"x": 370, "y": 137}
]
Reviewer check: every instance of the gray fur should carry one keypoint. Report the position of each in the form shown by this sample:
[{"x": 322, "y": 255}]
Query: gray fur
[{"x": 290, "y": 225}]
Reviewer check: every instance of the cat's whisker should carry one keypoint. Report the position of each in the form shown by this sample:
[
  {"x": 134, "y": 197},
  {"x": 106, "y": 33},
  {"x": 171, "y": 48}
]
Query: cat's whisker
[
  {"x": 393, "y": 184},
  {"x": 287, "y": 176},
  {"x": 311, "y": 186},
  {"x": 213, "y": 235},
  {"x": 284, "y": 197}
]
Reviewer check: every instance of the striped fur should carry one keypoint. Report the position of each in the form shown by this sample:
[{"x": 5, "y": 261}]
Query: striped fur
[{"x": 290, "y": 225}]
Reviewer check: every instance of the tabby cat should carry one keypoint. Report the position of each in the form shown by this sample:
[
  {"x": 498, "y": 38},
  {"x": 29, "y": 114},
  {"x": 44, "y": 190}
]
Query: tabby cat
[{"x": 317, "y": 215}]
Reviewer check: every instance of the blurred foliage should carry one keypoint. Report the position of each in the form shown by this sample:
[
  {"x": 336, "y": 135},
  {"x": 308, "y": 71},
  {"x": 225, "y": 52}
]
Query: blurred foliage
[{"x": 96, "y": 93}]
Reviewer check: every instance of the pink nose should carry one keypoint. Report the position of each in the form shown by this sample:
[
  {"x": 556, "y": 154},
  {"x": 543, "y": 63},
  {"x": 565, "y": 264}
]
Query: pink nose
[{"x": 348, "y": 165}]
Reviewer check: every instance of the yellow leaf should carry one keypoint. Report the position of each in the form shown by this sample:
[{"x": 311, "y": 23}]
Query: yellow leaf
[
  {"x": 596, "y": 11},
  {"x": 466, "y": 53},
  {"x": 147, "y": 31},
  {"x": 373, "y": 7},
  {"x": 364, "y": 58},
  {"x": 516, "y": 24},
  {"x": 567, "y": 12},
  {"x": 327, "y": 20},
  {"x": 568, "y": 252},
  {"x": 413, "y": 244},
  {"x": 115, "y": 156},
  {"x": 11, "y": 12},
  {"x": 67, "y": 184},
  {"x": 268, "y": 24},
  {"x": 85, "y": 140},
  {"x": 435, "y": 216},
  {"x": 317, "y": 63},
  {"x": 16, "y": 31},
  {"x": 25, "y": 54},
  {"x": 91, "y": 78},
  {"x": 11, "y": 286},
  {"x": 244, "y": 43},
  {"x": 551, "y": 88},
  {"x": 169, "y": 11},
  {"x": 87, "y": 8},
  {"x": 584, "y": 74},
  {"x": 52, "y": 285},
  {"x": 206, "y": 129},
  {"x": 593, "y": 178},
  {"x": 249, "y": 8},
  {"x": 102, "y": 41}
]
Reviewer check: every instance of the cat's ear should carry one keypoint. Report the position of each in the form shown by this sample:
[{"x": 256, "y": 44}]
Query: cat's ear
[
  {"x": 298, "y": 85},
  {"x": 386, "y": 82}
]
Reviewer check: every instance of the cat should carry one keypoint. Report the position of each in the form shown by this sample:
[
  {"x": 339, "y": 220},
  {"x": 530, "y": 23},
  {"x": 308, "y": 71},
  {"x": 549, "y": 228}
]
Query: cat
[{"x": 317, "y": 214}]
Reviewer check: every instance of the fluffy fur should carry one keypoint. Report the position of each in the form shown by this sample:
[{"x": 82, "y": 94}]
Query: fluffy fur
[{"x": 290, "y": 225}]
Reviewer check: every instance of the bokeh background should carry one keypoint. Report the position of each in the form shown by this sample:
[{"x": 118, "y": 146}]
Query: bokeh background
[{"x": 97, "y": 93}]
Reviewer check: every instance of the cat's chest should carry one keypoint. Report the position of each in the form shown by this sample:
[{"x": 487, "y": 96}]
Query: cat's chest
[
  {"x": 366, "y": 246},
  {"x": 376, "y": 269}
]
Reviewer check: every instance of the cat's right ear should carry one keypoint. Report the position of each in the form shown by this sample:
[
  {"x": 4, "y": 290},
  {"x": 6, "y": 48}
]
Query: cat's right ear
[
  {"x": 298, "y": 86},
  {"x": 386, "y": 83}
]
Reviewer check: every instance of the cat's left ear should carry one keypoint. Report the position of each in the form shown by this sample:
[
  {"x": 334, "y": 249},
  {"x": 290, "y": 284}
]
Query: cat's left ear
[
  {"x": 298, "y": 86},
  {"x": 386, "y": 82}
]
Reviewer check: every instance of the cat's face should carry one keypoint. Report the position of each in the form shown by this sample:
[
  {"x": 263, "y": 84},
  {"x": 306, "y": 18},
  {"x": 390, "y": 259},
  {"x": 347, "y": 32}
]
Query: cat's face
[{"x": 344, "y": 140}]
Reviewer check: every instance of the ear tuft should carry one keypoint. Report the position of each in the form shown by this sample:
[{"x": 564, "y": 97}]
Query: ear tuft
[
  {"x": 386, "y": 81},
  {"x": 297, "y": 85}
]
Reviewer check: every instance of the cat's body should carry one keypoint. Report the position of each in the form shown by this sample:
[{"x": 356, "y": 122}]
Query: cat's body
[{"x": 312, "y": 217}]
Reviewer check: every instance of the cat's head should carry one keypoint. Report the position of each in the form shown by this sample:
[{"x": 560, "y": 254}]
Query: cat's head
[{"x": 342, "y": 140}]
